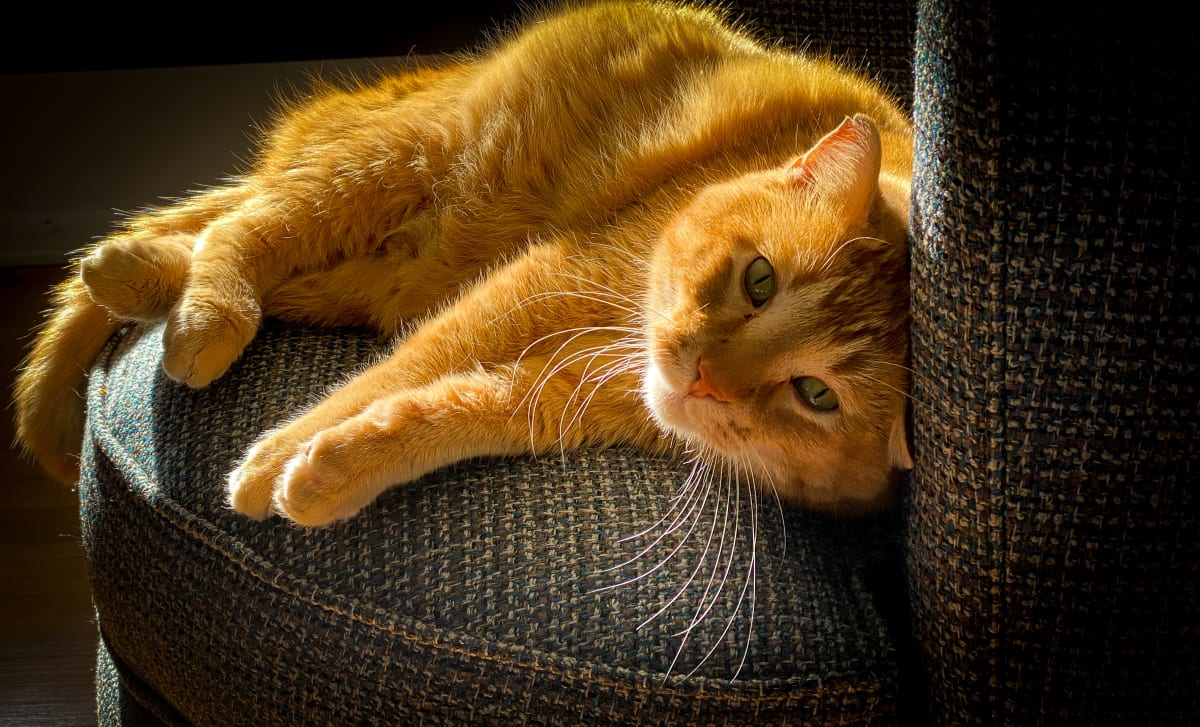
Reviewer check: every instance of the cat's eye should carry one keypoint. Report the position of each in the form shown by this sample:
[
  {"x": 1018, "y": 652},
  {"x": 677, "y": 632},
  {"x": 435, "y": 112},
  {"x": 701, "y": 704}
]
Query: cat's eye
[
  {"x": 815, "y": 393},
  {"x": 760, "y": 281}
]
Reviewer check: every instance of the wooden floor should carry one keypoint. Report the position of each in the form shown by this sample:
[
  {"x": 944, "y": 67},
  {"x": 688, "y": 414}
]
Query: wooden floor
[{"x": 47, "y": 633}]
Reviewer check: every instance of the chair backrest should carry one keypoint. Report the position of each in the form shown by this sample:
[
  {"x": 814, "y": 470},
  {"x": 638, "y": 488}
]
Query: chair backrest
[{"x": 1054, "y": 512}]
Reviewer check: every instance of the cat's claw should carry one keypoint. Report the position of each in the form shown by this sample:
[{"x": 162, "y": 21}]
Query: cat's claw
[{"x": 203, "y": 339}]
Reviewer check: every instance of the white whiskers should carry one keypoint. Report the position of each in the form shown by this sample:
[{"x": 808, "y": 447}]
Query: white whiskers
[
  {"x": 906, "y": 394},
  {"x": 600, "y": 365},
  {"x": 712, "y": 519},
  {"x": 614, "y": 351},
  {"x": 829, "y": 259}
]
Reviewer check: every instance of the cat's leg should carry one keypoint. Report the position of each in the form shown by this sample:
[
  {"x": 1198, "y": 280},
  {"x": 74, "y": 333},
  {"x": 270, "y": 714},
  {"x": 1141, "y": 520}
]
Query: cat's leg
[
  {"x": 140, "y": 272},
  {"x": 220, "y": 308},
  {"x": 514, "y": 367},
  {"x": 242, "y": 257},
  {"x": 338, "y": 179},
  {"x": 458, "y": 417},
  {"x": 397, "y": 438},
  {"x": 252, "y": 484},
  {"x": 212, "y": 314},
  {"x": 210, "y": 283}
]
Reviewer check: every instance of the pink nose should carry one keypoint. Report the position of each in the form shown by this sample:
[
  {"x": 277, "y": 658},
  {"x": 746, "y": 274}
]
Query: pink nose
[{"x": 705, "y": 386}]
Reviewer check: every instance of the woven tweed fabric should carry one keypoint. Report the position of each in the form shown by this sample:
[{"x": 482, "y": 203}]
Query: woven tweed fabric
[
  {"x": 1055, "y": 555},
  {"x": 496, "y": 592}
]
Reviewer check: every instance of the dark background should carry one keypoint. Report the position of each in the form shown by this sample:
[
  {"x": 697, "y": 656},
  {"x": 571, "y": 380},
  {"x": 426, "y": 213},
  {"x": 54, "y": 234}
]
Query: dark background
[
  {"x": 56, "y": 38},
  {"x": 105, "y": 109}
]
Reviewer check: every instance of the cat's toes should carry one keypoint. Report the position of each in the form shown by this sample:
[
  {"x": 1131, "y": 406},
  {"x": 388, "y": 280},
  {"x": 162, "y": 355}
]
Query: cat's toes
[
  {"x": 251, "y": 486},
  {"x": 137, "y": 278},
  {"x": 203, "y": 338},
  {"x": 315, "y": 489},
  {"x": 302, "y": 497}
]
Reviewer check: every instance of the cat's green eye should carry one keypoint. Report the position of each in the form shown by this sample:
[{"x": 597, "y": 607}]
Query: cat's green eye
[
  {"x": 815, "y": 393},
  {"x": 760, "y": 281}
]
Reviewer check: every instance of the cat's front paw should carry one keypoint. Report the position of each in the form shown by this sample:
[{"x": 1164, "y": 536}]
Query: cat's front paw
[
  {"x": 251, "y": 486},
  {"x": 310, "y": 484},
  {"x": 316, "y": 487},
  {"x": 204, "y": 337}
]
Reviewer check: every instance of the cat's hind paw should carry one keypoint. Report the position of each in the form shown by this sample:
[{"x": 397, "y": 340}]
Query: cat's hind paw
[
  {"x": 203, "y": 338},
  {"x": 138, "y": 278}
]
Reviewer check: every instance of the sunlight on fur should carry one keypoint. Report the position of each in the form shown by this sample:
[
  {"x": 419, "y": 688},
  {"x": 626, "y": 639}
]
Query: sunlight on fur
[{"x": 626, "y": 224}]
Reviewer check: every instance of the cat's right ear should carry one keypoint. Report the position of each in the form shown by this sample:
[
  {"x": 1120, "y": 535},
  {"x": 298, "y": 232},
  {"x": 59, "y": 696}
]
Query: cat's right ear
[{"x": 843, "y": 167}]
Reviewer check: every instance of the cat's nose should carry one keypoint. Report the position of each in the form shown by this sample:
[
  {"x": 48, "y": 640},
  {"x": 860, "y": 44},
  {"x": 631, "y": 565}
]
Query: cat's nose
[{"x": 705, "y": 386}]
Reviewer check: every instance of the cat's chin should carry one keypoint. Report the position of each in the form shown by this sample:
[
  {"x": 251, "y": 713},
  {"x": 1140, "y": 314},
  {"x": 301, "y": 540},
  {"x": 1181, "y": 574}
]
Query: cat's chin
[
  {"x": 664, "y": 402},
  {"x": 667, "y": 404}
]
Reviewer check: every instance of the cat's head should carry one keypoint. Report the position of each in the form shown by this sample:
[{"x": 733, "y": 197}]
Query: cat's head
[{"x": 778, "y": 325}]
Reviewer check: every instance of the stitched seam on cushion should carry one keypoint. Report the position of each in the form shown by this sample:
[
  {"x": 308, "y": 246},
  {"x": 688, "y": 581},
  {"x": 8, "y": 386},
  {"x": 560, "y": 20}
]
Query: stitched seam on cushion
[{"x": 255, "y": 565}]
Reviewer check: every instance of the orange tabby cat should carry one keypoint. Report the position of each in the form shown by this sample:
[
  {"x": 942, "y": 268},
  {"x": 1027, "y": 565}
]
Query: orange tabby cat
[{"x": 629, "y": 224}]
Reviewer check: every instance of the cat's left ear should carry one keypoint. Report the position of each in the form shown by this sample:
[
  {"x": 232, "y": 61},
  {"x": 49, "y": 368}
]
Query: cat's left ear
[
  {"x": 843, "y": 166},
  {"x": 898, "y": 444}
]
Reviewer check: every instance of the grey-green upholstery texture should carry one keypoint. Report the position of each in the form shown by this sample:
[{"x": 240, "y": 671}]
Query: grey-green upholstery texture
[
  {"x": 1054, "y": 519},
  {"x": 484, "y": 594},
  {"x": 1043, "y": 567}
]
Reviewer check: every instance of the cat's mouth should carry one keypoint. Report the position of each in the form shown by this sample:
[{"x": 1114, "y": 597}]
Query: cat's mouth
[{"x": 710, "y": 422}]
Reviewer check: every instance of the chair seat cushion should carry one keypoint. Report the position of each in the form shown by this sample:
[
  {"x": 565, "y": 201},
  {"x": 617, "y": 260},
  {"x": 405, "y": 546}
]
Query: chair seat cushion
[{"x": 600, "y": 587}]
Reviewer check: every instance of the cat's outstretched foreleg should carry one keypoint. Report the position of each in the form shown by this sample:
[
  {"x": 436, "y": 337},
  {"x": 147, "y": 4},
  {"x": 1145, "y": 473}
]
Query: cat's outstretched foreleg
[
  {"x": 466, "y": 384},
  {"x": 316, "y": 474},
  {"x": 252, "y": 485},
  {"x": 398, "y": 439}
]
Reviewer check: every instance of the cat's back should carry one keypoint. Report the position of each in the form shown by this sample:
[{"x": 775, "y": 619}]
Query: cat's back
[
  {"x": 644, "y": 78},
  {"x": 594, "y": 65},
  {"x": 583, "y": 111},
  {"x": 616, "y": 36}
]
